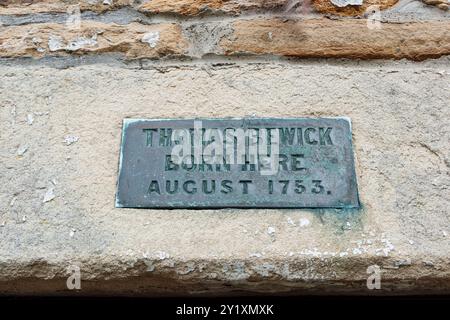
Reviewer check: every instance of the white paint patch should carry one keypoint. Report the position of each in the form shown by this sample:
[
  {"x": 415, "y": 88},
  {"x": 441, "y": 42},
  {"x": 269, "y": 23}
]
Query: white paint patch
[
  {"x": 403, "y": 262},
  {"x": 304, "y": 222},
  {"x": 49, "y": 195},
  {"x": 70, "y": 139},
  {"x": 255, "y": 255},
  {"x": 428, "y": 263},
  {"x": 344, "y": 3},
  {"x": 22, "y": 149},
  {"x": 151, "y": 38},
  {"x": 314, "y": 252},
  {"x": 30, "y": 119},
  {"x": 271, "y": 230},
  {"x": 150, "y": 266},
  {"x": 162, "y": 255},
  {"x": 81, "y": 42},
  {"x": 55, "y": 43},
  {"x": 37, "y": 42},
  {"x": 190, "y": 267},
  {"x": 388, "y": 247},
  {"x": 290, "y": 221}
]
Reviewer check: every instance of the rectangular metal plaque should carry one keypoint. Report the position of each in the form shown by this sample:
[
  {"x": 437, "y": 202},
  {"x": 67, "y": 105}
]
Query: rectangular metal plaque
[{"x": 237, "y": 163}]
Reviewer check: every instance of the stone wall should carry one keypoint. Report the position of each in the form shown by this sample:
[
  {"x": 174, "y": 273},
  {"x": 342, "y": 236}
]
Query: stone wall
[{"x": 71, "y": 71}]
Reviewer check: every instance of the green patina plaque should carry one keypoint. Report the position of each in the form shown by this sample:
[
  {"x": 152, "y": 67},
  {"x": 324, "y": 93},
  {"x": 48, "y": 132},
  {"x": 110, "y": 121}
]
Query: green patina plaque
[{"x": 237, "y": 163}]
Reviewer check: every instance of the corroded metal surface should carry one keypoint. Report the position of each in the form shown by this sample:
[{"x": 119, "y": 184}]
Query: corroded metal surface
[{"x": 314, "y": 166}]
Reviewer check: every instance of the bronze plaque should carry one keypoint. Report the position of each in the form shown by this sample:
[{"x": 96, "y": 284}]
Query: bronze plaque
[{"x": 237, "y": 163}]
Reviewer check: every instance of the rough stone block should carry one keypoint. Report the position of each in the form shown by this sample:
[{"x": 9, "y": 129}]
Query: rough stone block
[
  {"x": 339, "y": 39},
  {"x": 133, "y": 41}
]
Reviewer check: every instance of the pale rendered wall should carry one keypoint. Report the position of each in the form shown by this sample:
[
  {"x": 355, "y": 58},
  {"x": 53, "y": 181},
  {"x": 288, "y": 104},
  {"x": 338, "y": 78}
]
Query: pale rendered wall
[{"x": 60, "y": 127}]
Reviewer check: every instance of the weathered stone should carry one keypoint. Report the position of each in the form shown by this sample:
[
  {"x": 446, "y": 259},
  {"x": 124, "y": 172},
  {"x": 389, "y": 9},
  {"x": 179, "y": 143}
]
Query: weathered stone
[
  {"x": 179, "y": 7},
  {"x": 400, "y": 117},
  {"x": 134, "y": 40},
  {"x": 195, "y": 7},
  {"x": 191, "y": 7},
  {"x": 21, "y": 7},
  {"x": 338, "y": 39}
]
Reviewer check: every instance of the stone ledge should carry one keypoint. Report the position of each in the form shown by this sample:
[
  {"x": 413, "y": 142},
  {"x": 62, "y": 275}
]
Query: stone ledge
[{"x": 128, "y": 276}]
